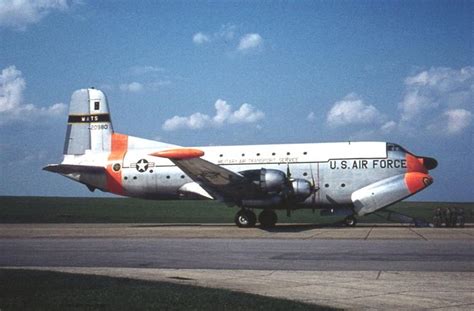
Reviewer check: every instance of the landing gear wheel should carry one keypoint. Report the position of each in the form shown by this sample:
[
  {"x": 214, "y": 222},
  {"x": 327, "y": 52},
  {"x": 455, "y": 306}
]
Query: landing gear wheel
[
  {"x": 267, "y": 218},
  {"x": 350, "y": 221},
  {"x": 245, "y": 219}
]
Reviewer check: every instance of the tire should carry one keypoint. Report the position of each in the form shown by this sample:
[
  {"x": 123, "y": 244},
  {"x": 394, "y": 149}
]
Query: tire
[
  {"x": 350, "y": 221},
  {"x": 267, "y": 219},
  {"x": 245, "y": 219}
]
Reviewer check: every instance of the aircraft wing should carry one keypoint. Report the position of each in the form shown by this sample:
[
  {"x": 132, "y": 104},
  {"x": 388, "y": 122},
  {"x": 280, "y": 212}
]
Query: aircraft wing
[
  {"x": 71, "y": 169},
  {"x": 218, "y": 181}
]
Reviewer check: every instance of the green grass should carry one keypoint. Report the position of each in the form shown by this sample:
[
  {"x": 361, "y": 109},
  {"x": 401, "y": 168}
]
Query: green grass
[
  {"x": 126, "y": 210},
  {"x": 44, "y": 290}
]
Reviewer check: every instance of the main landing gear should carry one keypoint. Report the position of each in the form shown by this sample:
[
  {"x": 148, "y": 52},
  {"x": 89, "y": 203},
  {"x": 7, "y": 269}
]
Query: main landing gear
[{"x": 246, "y": 218}]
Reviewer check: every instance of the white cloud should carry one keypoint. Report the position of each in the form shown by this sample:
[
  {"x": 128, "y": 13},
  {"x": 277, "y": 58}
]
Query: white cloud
[
  {"x": 143, "y": 70},
  {"x": 224, "y": 115},
  {"x": 18, "y": 14},
  {"x": 352, "y": 110},
  {"x": 201, "y": 38},
  {"x": 438, "y": 100},
  {"x": 437, "y": 87},
  {"x": 311, "y": 117},
  {"x": 226, "y": 33},
  {"x": 246, "y": 114},
  {"x": 389, "y": 127},
  {"x": 12, "y": 107},
  {"x": 133, "y": 87},
  {"x": 250, "y": 41},
  {"x": 456, "y": 120}
]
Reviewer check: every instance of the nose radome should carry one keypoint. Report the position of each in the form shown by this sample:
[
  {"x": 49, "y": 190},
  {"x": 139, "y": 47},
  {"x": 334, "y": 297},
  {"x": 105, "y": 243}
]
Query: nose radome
[{"x": 429, "y": 163}]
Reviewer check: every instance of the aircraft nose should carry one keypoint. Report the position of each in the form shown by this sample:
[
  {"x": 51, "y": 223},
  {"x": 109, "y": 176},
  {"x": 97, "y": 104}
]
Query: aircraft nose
[{"x": 429, "y": 163}]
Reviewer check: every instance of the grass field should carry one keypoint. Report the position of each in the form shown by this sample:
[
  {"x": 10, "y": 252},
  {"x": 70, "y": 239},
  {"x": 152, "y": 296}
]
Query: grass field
[
  {"x": 43, "y": 290},
  {"x": 125, "y": 210}
]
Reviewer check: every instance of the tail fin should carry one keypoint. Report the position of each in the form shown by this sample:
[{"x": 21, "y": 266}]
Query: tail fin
[{"x": 89, "y": 125}]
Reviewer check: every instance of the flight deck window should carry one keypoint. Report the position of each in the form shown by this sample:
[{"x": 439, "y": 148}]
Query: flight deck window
[{"x": 96, "y": 105}]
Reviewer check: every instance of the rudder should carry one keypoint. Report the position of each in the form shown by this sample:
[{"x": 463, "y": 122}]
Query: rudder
[{"x": 89, "y": 125}]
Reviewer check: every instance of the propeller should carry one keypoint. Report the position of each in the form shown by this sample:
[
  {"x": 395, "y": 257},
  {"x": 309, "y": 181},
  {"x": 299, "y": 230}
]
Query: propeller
[{"x": 313, "y": 186}]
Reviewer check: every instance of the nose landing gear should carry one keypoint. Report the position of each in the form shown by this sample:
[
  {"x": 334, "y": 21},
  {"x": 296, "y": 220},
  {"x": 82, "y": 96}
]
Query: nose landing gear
[{"x": 350, "y": 221}]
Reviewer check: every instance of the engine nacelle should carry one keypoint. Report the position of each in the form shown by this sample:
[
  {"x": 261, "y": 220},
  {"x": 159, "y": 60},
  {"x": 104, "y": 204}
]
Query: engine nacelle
[
  {"x": 276, "y": 183},
  {"x": 301, "y": 189},
  {"x": 270, "y": 181}
]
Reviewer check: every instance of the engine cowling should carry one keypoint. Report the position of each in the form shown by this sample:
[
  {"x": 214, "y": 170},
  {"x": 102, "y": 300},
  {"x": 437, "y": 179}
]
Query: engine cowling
[
  {"x": 276, "y": 183},
  {"x": 301, "y": 189},
  {"x": 269, "y": 181}
]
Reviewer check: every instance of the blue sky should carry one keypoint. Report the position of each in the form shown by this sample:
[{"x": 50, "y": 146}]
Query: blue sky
[{"x": 240, "y": 72}]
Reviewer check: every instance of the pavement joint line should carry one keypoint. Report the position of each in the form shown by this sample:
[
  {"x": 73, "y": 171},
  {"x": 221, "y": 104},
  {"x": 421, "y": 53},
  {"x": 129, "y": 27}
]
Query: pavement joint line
[
  {"x": 368, "y": 233},
  {"x": 312, "y": 236},
  {"x": 378, "y": 275},
  {"x": 419, "y": 234}
]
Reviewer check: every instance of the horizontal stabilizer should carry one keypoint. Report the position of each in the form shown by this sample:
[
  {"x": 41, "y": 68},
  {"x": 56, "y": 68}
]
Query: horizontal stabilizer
[{"x": 71, "y": 169}]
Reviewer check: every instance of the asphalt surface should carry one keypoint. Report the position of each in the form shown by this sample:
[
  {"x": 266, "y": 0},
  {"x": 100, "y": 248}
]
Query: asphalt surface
[
  {"x": 274, "y": 254},
  {"x": 367, "y": 267}
]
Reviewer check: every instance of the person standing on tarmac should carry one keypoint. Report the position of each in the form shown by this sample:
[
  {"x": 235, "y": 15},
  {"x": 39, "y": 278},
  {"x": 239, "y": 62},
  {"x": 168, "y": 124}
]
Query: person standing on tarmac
[
  {"x": 438, "y": 217},
  {"x": 448, "y": 217}
]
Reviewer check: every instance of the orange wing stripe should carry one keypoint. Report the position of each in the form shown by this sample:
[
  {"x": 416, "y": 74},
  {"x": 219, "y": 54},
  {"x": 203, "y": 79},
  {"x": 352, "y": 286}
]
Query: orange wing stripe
[
  {"x": 118, "y": 149},
  {"x": 179, "y": 154}
]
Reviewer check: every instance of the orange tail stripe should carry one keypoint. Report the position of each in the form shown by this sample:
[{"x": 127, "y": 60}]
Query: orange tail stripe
[{"x": 118, "y": 149}]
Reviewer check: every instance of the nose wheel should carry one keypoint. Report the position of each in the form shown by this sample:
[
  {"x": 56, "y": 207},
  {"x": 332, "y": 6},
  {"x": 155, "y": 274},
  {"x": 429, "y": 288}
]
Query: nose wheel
[
  {"x": 245, "y": 219},
  {"x": 350, "y": 221}
]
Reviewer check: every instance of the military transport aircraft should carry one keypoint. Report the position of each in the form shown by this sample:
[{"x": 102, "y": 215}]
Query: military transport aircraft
[{"x": 355, "y": 178}]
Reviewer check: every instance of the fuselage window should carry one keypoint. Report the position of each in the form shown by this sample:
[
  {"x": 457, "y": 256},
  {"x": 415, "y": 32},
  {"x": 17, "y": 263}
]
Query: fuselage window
[
  {"x": 273, "y": 153},
  {"x": 168, "y": 177},
  {"x": 305, "y": 174},
  {"x": 243, "y": 154},
  {"x": 287, "y": 153},
  {"x": 258, "y": 154},
  {"x": 182, "y": 176},
  {"x": 221, "y": 155},
  {"x": 96, "y": 105},
  {"x": 305, "y": 153},
  {"x": 326, "y": 185},
  {"x": 343, "y": 185}
]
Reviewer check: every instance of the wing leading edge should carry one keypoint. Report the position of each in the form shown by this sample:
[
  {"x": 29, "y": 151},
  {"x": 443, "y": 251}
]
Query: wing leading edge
[{"x": 218, "y": 181}]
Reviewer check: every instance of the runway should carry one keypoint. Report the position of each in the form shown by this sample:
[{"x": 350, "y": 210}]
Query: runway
[{"x": 370, "y": 266}]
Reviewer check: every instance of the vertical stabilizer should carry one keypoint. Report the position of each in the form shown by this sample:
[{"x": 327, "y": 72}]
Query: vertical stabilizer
[{"x": 89, "y": 125}]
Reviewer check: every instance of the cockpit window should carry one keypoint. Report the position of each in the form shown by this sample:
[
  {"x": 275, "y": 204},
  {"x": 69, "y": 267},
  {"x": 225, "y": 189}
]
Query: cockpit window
[{"x": 395, "y": 147}]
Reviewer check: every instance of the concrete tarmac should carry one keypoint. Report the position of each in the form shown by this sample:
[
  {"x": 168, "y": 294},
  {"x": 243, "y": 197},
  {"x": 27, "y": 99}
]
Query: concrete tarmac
[{"x": 367, "y": 267}]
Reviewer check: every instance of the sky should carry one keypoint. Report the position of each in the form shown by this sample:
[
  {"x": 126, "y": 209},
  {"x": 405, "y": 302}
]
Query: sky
[{"x": 198, "y": 73}]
